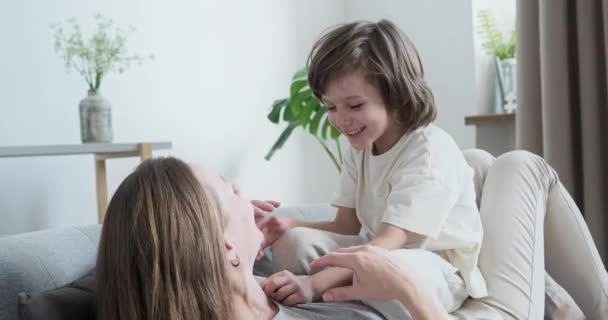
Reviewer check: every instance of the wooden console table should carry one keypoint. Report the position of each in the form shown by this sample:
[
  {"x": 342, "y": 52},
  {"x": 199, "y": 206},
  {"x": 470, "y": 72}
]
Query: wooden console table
[{"x": 101, "y": 151}]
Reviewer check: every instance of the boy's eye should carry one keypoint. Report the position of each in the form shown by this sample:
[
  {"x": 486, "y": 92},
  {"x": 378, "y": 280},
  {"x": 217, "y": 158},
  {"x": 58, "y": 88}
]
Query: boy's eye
[
  {"x": 357, "y": 106},
  {"x": 330, "y": 109}
]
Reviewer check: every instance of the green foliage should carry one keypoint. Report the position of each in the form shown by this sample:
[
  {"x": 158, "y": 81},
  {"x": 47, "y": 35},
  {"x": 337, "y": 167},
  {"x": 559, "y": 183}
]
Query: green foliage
[
  {"x": 303, "y": 109},
  {"x": 104, "y": 52},
  {"x": 493, "y": 40}
]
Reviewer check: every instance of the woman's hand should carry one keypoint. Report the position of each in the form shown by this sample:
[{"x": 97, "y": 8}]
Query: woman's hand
[
  {"x": 377, "y": 277},
  {"x": 288, "y": 289},
  {"x": 273, "y": 227}
]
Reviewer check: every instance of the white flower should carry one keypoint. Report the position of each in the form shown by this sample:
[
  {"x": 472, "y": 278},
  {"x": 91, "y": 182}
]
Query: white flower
[{"x": 102, "y": 53}]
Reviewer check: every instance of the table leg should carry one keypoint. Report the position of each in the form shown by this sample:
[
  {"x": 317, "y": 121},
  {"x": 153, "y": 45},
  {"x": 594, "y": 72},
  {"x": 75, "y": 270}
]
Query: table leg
[
  {"x": 145, "y": 151},
  {"x": 101, "y": 183}
]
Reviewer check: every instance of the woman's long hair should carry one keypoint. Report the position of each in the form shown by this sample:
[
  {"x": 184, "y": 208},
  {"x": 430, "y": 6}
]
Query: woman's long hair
[{"x": 161, "y": 254}]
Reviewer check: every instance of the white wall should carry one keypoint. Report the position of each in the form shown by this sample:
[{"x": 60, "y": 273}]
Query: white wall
[
  {"x": 218, "y": 66},
  {"x": 442, "y": 33}
]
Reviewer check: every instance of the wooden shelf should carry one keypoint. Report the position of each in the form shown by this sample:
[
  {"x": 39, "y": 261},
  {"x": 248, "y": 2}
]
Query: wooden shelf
[
  {"x": 484, "y": 119},
  {"x": 101, "y": 151},
  {"x": 74, "y": 149}
]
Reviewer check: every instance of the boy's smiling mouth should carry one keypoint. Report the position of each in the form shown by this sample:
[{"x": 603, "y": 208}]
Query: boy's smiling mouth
[{"x": 354, "y": 132}]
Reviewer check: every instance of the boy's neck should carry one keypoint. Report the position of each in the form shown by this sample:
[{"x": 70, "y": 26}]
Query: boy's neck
[{"x": 388, "y": 140}]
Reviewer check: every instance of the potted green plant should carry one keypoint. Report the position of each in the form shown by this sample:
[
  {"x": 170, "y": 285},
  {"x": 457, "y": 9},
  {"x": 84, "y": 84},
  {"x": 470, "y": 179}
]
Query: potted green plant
[
  {"x": 94, "y": 58},
  {"x": 502, "y": 48},
  {"x": 302, "y": 109}
]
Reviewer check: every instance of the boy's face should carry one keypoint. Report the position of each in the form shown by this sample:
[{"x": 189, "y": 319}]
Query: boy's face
[{"x": 356, "y": 108}]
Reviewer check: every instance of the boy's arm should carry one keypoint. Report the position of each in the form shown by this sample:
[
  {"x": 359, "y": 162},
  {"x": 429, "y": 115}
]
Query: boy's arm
[
  {"x": 273, "y": 227},
  {"x": 387, "y": 236},
  {"x": 390, "y": 237},
  {"x": 345, "y": 222}
]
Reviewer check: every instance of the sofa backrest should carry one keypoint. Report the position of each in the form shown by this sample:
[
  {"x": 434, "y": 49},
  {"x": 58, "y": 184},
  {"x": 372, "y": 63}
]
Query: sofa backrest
[{"x": 43, "y": 260}]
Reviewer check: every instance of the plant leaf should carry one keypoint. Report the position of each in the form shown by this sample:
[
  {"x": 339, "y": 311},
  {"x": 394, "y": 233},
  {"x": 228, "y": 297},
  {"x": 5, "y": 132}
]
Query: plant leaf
[
  {"x": 307, "y": 109},
  {"x": 326, "y": 126},
  {"x": 281, "y": 140},
  {"x": 288, "y": 115},
  {"x": 297, "y": 102},
  {"x": 296, "y": 86},
  {"x": 314, "y": 123},
  {"x": 335, "y": 134},
  {"x": 300, "y": 74},
  {"x": 275, "y": 114},
  {"x": 493, "y": 40}
]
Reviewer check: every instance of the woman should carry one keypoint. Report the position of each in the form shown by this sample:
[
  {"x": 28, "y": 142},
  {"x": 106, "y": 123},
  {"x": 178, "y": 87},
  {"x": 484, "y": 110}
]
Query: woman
[{"x": 179, "y": 243}]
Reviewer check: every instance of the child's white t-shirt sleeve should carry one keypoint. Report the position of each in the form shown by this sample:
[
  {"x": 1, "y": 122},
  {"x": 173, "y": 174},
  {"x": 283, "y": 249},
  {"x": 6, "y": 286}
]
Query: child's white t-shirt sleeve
[
  {"x": 421, "y": 198},
  {"x": 345, "y": 197}
]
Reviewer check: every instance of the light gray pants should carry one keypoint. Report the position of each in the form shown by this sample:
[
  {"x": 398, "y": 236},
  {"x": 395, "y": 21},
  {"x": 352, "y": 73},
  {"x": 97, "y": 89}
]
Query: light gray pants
[{"x": 529, "y": 219}]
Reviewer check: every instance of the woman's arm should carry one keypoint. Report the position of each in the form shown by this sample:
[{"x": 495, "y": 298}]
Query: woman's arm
[
  {"x": 387, "y": 237},
  {"x": 376, "y": 277}
]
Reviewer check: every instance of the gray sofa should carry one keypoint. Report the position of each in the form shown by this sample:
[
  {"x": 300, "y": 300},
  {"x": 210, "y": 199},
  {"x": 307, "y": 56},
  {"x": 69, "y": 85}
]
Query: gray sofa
[{"x": 48, "y": 259}]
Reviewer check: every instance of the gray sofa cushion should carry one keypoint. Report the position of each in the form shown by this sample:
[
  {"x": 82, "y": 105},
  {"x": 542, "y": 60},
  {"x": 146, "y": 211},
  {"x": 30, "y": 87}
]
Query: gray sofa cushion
[
  {"x": 43, "y": 260},
  {"x": 73, "y": 301}
]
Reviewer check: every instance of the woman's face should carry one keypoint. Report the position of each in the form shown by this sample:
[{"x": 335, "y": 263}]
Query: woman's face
[{"x": 240, "y": 230}]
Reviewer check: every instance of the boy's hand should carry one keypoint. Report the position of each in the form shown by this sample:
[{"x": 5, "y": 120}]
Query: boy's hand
[
  {"x": 273, "y": 227},
  {"x": 261, "y": 208},
  {"x": 288, "y": 289}
]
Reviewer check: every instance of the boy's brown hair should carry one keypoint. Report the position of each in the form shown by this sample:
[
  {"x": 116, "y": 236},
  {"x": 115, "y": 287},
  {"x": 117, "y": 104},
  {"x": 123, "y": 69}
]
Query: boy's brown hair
[{"x": 386, "y": 57}]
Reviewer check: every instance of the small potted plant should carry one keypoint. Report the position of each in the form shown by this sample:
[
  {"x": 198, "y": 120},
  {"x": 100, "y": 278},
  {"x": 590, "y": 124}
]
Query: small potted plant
[
  {"x": 94, "y": 58},
  {"x": 503, "y": 50}
]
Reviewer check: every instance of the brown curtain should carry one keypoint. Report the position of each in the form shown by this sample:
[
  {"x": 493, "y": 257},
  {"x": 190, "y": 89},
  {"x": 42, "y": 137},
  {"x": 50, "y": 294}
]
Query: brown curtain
[{"x": 562, "y": 111}]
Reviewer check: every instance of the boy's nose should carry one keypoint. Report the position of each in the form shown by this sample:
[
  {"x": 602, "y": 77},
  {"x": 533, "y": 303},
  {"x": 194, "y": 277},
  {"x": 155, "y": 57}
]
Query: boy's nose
[
  {"x": 346, "y": 122},
  {"x": 341, "y": 120}
]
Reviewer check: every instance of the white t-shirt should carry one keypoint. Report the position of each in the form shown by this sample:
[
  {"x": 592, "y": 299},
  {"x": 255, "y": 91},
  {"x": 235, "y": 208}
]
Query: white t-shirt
[{"x": 423, "y": 185}]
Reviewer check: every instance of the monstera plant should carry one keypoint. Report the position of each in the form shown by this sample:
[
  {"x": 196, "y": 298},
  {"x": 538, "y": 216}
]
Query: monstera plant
[{"x": 303, "y": 110}]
